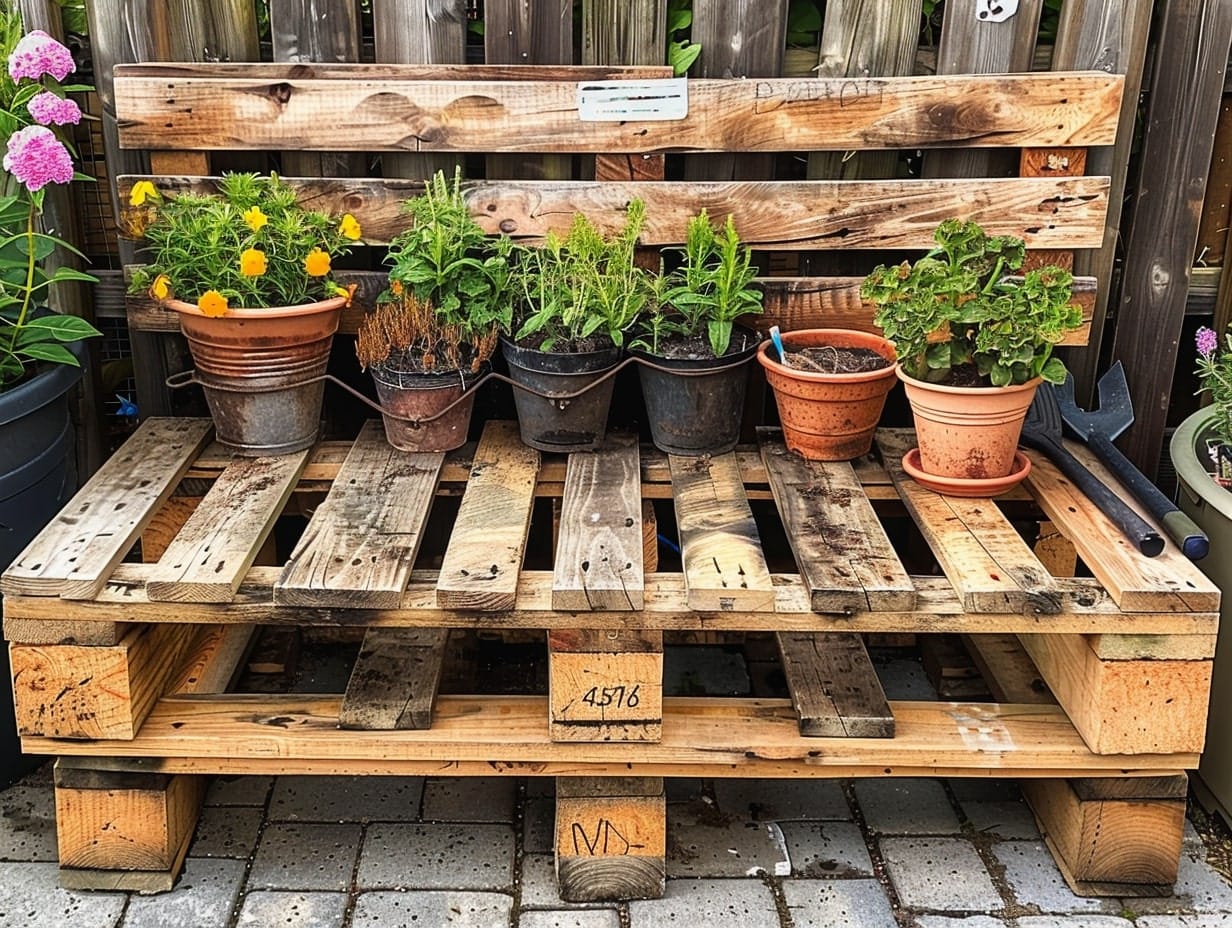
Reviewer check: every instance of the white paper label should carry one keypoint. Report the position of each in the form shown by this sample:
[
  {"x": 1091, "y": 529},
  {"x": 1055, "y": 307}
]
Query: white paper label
[
  {"x": 995, "y": 11},
  {"x": 633, "y": 101}
]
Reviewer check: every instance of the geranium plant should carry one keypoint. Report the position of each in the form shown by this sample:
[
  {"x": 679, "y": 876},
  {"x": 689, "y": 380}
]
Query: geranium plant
[
  {"x": 1215, "y": 375},
  {"x": 251, "y": 245},
  {"x": 33, "y": 107}
]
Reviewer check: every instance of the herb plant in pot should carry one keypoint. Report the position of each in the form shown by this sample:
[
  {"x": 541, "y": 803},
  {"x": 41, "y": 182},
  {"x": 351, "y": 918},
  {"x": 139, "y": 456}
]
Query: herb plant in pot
[
  {"x": 973, "y": 344},
  {"x": 248, "y": 270},
  {"x": 436, "y": 327},
  {"x": 695, "y": 368},
  {"x": 576, "y": 297}
]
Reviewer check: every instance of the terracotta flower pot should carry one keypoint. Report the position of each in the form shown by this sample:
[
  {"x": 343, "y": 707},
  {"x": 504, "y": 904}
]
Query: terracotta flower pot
[
  {"x": 417, "y": 396},
  {"x": 968, "y": 432},
  {"x": 828, "y": 417},
  {"x": 261, "y": 371}
]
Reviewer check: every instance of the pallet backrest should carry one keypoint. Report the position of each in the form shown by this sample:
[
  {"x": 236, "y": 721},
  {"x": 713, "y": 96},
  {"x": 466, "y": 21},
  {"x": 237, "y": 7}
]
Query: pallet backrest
[{"x": 183, "y": 113}]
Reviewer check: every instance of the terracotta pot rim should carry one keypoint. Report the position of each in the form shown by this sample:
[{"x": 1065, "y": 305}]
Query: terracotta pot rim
[
  {"x": 269, "y": 312},
  {"x": 766, "y": 359},
  {"x": 947, "y": 388}
]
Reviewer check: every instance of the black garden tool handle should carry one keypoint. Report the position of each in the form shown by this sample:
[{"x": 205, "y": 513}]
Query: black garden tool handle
[
  {"x": 1180, "y": 528},
  {"x": 1135, "y": 528}
]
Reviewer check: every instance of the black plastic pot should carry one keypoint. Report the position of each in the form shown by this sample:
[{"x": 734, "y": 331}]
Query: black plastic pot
[
  {"x": 574, "y": 424},
  {"x": 38, "y": 476},
  {"x": 694, "y": 407}
]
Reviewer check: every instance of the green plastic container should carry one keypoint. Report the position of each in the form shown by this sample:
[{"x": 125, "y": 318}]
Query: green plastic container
[{"x": 1210, "y": 505}]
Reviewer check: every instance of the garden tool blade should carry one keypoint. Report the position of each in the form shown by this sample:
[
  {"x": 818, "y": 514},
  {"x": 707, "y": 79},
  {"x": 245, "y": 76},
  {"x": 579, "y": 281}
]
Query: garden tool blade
[{"x": 1115, "y": 412}]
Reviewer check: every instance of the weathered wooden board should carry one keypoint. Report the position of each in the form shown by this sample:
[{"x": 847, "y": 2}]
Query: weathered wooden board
[
  {"x": 1047, "y": 212},
  {"x": 360, "y": 545},
  {"x": 605, "y": 685},
  {"x": 724, "y": 567},
  {"x": 394, "y": 681},
  {"x": 598, "y": 562},
  {"x": 207, "y": 559},
  {"x": 840, "y": 546},
  {"x": 623, "y": 31},
  {"x": 981, "y": 553},
  {"x": 75, "y": 554},
  {"x": 772, "y": 114},
  {"x": 611, "y": 838},
  {"x": 481, "y": 564},
  {"x": 834, "y": 688}
]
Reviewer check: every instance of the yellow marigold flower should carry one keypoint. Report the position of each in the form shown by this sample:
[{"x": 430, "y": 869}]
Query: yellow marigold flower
[
  {"x": 161, "y": 288},
  {"x": 349, "y": 227},
  {"x": 255, "y": 218},
  {"x": 252, "y": 262},
  {"x": 212, "y": 303},
  {"x": 142, "y": 190},
  {"x": 317, "y": 263}
]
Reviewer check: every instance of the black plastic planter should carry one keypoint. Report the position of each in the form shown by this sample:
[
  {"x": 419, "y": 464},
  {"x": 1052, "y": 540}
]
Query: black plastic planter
[{"x": 564, "y": 425}]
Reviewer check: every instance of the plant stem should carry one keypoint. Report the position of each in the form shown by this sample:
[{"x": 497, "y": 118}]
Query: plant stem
[{"x": 29, "y": 288}]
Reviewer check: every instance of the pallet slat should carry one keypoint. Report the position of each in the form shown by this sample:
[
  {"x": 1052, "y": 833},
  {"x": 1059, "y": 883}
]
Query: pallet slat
[
  {"x": 834, "y": 688},
  {"x": 394, "y": 681}
]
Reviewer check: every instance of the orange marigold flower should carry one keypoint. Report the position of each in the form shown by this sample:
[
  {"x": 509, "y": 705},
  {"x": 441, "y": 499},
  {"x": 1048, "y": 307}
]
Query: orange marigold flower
[
  {"x": 252, "y": 262},
  {"x": 161, "y": 288},
  {"x": 317, "y": 263},
  {"x": 255, "y": 218},
  {"x": 212, "y": 303},
  {"x": 349, "y": 227},
  {"x": 395, "y": 287}
]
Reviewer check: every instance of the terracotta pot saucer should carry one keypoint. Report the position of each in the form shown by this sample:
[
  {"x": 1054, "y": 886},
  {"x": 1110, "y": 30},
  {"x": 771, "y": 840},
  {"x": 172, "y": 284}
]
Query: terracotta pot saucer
[{"x": 966, "y": 486}]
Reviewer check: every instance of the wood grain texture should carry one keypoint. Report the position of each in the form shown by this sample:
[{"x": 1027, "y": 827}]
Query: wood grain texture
[
  {"x": 394, "y": 681},
  {"x": 771, "y": 114},
  {"x": 834, "y": 688},
  {"x": 841, "y": 549},
  {"x": 74, "y": 555},
  {"x": 611, "y": 845},
  {"x": 598, "y": 563},
  {"x": 486, "y": 545},
  {"x": 209, "y": 556},
  {"x": 724, "y": 567},
  {"x": 605, "y": 686},
  {"x": 360, "y": 545},
  {"x": 624, "y": 31},
  {"x": 981, "y": 553},
  {"x": 1007, "y": 669}
]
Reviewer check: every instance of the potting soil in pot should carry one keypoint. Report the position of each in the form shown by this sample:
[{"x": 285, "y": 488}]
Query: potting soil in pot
[{"x": 827, "y": 359}]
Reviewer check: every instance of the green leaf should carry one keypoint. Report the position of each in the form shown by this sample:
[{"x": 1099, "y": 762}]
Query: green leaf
[
  {"x": 681, "y": 55},
  {"x": 48, "y": 351},
  {"x": 1054, "y": 371},
  {"x": 62, "y": 328},
  {"x": 64, "y": 273}
]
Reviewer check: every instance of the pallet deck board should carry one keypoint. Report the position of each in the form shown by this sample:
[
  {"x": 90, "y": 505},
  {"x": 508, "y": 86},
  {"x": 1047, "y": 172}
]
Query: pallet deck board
[
  {"x": 834, "y": 688},
  {"x": 488, "y": 540},
  {"x": 841, "y": 548},
  {"x": 395, "y": 678},
  {"x": 360, "y": 545}
]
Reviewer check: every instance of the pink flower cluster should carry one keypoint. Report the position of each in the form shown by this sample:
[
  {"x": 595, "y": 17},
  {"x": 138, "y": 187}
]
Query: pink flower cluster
[
  {"x": 48, "y": 109},
  {"x": 38, "y": 54},
  {"x": 1207, "y": 341},
  {"x": 37, "y": 158}
]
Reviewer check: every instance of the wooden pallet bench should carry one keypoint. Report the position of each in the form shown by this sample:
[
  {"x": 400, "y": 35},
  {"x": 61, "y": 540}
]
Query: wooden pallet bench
[{"x": 132, "y": 661}]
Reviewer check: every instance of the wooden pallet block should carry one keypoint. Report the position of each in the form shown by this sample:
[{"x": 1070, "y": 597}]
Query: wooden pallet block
[
  {"x": 611, "y": 838},
  {"x": 605, "y": 685}
]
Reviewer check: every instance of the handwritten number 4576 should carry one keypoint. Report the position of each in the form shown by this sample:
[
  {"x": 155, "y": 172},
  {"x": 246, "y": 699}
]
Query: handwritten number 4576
[{"x": 618, "y": 696}]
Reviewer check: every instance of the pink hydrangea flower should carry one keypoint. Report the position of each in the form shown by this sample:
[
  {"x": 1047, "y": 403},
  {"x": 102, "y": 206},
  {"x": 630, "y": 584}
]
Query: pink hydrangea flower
[
  {"x": 1207, "y": 341},
  {"x": 38, "y": 54},
  {"x": 37, "y": 158},
  {"x": 47, "y": 109}
]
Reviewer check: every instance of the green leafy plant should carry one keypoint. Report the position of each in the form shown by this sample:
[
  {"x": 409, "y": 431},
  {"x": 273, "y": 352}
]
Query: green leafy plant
[
  {"x": 450, "y": 289},
  {"x": 33, "y": 109},
  {"x": 250, "y": 245},
  {"x": 958, "y": 307},
  {"x": 681, "y": 52},
  {"x": 1214, "y": 371},
  {"x": 581, "y": 286},
  {"x": 709, "y": 291}
]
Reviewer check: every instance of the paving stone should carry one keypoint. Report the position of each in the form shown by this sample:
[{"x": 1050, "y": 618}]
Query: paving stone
[
  {"x": 1074, "y": 921},
  {"x": 939, "y": 873},
  {"x": 903, "y": 806},
  {"x": 826, "y": 850},
  {"x": 538, "y": 826},
  {"x": 747, "y": 903},
  {"x": 1190, "y": 837},
  {"x": 238, "y": 791},
  {"x": 28, "y": 823},
  {"x": 984, "y": 789},
  {"x": 594, "y": 918},
  {"x": 704, "y": 670},
  {"x": 961, "y": 921},
  {"x": 305, "y": 856},
  {"x": 838, "y": 904},
  {"x": 435, "y": 909},
  {"x": 346, "y": 799},
  {"x": 205, "y": 895},
  {"x": 469, "y": 799},
  {"x": 1207, "y": 920},
  {"x": 701, "y": 844},
  {"x": 264, "y": 909},
  {"x": 540, "y": 889},
  {"x": 539, "y": 787},
  {"x": 1007, "y": 820},
  {"x": 1198, "y": 889},
  {"x": 904, "y": 678},
  {"x": 782, "y": 800},
  {"x": 227, "y": 832},
  {"x": 1035, "y": 880},
  {"x": 436, "y": 856},
  {"x": 31, "y": 897},
  {"x": 686, "y": 789}
]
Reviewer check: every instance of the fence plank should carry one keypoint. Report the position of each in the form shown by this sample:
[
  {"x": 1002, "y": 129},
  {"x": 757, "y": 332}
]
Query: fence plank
[{"x": 624, "y": 31}]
